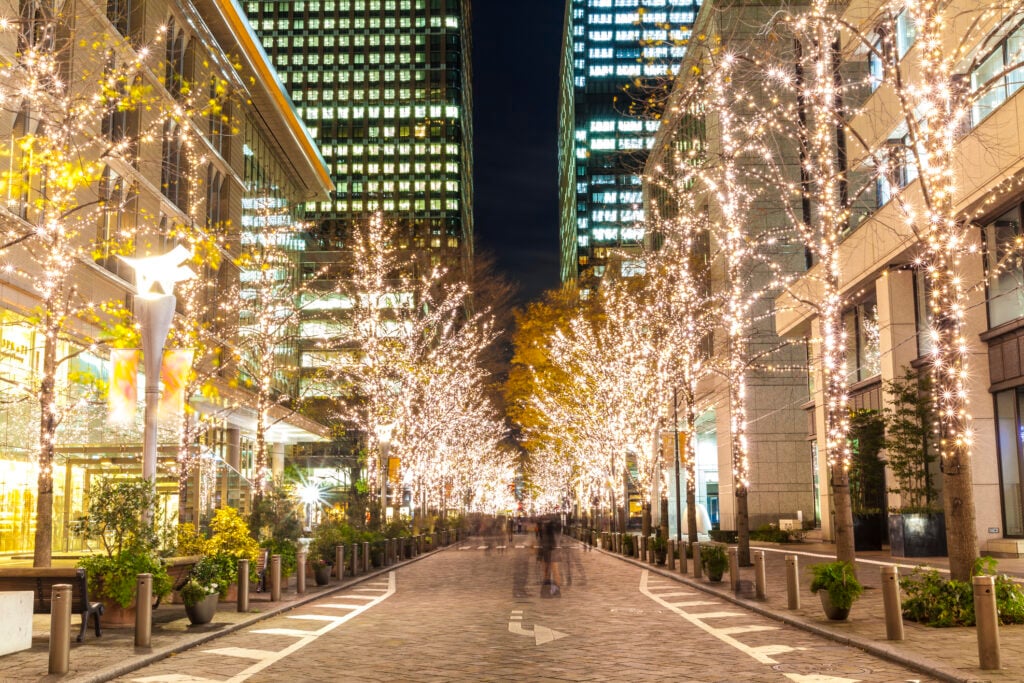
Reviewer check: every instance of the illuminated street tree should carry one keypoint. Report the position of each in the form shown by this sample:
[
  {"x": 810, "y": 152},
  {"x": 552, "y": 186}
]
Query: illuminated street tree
[
  {"x": 72, "y": 165},
  {"x": 951, "y": 76}
]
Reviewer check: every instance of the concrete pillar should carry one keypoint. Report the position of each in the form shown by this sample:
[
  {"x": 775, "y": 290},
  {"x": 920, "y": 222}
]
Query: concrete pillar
[{"x": 277, "y": 460}]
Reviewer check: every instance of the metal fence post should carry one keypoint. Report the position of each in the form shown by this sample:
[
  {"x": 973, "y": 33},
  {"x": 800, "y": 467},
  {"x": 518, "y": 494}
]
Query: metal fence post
[
  {"x": 243, "y": 585},
  {"x": 760, "y": 578},
  {"x": 793, "y": 581},
  {"x": 60, "y": 628},
  {"x": 891, "y": 602},
  {"x": 275, "y": 578},
  {"x": 143, "y": 610},
  {"x": 988, "y": 622}
]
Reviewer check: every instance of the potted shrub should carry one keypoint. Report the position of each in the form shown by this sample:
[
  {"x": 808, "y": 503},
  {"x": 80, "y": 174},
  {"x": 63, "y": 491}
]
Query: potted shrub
[
  {"x": 714, "y": 560},
  {"x": 659, "y": 545},
  {"x": 917, "y": 528},
  {"x": 117, "y": 517},
  {"x": 867, "y": 479},
  {"x": 323, "y": 549},
  {"x": 837, "y": 586},
  {"x": 230, "y": 535},
  {"x": 208, "y": 582}
]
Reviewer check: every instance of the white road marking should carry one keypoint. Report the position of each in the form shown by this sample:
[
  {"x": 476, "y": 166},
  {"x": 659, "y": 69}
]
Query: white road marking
[
  {"x": 733, "y": 630},
  {"x": 818, "y": 678},
  {"x": 315, "y": 617},
  {"x": 698, "y": 621},
  {"x": 540, "y": 634},
  {"x": 716, "y": 615},
  {"x": 175, "y": 678},
  {"x": 354, "y": 597},
  {"x": 340, "y": 605},
  {"x": 294, "y": 632},
  {"x": 242, "y": 652},
  {"x": 305, "y": 638},
  {"x": 693, "y": 603},
  {"x": 676, "y": 594}
]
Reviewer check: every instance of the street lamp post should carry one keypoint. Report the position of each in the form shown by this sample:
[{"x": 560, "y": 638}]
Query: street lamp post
[
  {"x": 155, "y": 311},
  {"x": 384, "y": 431}
]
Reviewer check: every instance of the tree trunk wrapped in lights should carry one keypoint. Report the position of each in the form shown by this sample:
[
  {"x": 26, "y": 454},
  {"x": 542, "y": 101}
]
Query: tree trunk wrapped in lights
[{"x": 73, "y": 165}]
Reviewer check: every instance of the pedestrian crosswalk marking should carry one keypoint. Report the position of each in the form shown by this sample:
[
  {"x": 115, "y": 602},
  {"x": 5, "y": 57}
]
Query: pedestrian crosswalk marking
[
  {"x": 340, "y": 605},
  {"x": 693, "y": 603},
  {"x": 356, "y": 597},
  {"x": 242, "y": 652}
]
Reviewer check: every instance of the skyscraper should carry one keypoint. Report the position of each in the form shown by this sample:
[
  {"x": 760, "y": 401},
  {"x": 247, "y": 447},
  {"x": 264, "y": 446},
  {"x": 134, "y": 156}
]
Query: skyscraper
[
  {"x": 607, "y": 46},
  {"x": 385, "y": 88}
]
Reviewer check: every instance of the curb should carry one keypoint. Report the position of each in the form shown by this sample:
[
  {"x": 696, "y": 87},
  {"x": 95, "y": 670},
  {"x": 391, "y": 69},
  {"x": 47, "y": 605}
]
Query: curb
[
  {"x": 167, "y": 651},
  {"x": 887, "y": 653}
]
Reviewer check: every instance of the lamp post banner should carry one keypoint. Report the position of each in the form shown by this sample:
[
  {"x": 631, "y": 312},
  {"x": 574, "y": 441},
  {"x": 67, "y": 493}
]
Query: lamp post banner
[
  {"x": 174, "y": 372},
  {"x": 123, "y": 393}
]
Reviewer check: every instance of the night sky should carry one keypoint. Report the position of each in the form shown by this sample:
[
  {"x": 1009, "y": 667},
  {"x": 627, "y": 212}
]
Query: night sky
[{"x": 516, "y": 49}]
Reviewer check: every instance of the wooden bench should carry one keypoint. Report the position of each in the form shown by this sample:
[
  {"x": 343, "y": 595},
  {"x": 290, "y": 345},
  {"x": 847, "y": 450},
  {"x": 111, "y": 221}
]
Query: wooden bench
[
  {"x": 178, "y": 568},
  {"x": 41, "y": 582},
  {"x": 262, "y": 564}
]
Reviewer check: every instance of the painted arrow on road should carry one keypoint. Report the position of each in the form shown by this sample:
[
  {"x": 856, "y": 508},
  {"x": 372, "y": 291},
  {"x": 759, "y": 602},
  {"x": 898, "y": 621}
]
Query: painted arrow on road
[{"x": 541, "y": 634}]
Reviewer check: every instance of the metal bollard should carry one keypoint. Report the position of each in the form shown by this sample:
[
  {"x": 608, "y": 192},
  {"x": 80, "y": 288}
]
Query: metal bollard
[
  {"x": 671, "y": 560},
  {"x": 891, "y": 603},
  {"x": 60, "y": 628},
  {"x": 355, "y": 559},
  {"x": 698, "y": 571},
  {"x": 243, "y": 585},
  {"x": 793, "y": 581},
  {"x": 682, "y": 557},
  {"x": 734, "y": 569},
  {"x": 760, "y": 578},
  {"x": 988, "y": 622},
  {"x": 275, "y": 578},
  {"x": 366, "y": 556},
  {"x": 339, "y": 561},
  {"x": 300, "y": 572},
  {"x": 143, "y": 610}
]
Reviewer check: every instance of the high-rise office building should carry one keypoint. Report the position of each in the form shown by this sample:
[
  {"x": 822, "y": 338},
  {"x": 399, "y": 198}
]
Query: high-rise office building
[
  {"x": 603, "y": 143},
  {"x": 385, "y": 88}
]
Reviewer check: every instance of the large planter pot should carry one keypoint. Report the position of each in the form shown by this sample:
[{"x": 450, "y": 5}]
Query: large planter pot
[
  {"x": 115, "y": 616},
  {"x": 203, "y": 611},
  {"x": 322, "y": 575},
  {"x": 918, "y": 535},
  {"x": 831, "y": 611},
  {"x": 868, "y": 531}
]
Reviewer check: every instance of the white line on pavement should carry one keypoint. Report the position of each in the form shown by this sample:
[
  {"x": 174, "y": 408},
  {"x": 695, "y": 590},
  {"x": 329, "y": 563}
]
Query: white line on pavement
[
  {"x": 698, "y": 621},
  {"x": 311, "y": 636}
]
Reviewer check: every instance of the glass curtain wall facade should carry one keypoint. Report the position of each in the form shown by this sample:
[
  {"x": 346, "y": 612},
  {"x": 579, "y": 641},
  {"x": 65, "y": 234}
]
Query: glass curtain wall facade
[
  {"x": 385, "y": 89},
  {"x": 611, "y": 49}
]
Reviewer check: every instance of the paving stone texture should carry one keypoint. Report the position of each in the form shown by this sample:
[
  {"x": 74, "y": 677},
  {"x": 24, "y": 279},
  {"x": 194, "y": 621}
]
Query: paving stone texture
[{"x": 474, "y": 612}]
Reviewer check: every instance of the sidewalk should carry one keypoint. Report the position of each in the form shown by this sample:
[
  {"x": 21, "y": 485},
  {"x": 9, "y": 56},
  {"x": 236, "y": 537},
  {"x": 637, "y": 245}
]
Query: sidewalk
[
  {"x": 114, "y": 654},
  {"x": 949, "y": 654}
]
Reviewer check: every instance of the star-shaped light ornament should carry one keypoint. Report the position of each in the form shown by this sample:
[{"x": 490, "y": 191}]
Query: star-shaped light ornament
[{"x": 164, "y": 270}]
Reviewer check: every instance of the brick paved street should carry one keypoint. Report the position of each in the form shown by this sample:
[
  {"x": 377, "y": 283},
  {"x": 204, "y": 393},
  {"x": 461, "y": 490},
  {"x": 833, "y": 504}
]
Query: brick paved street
[{"x": 469, "y": 614}]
